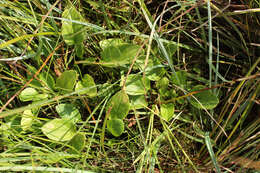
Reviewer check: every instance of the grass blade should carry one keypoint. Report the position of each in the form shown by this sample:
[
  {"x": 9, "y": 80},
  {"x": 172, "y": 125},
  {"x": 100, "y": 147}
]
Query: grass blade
[{"x": 211, "y": 152}]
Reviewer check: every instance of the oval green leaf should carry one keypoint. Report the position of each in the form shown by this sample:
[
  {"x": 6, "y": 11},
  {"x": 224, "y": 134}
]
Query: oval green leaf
[
  {"x": 68, "y": 111},
  {"x": 47, "y": 79},
  {"x": 115, "y": 127},
  {"x": 114, "y": 56},
  {"x": 110, "y": 42},
  {"x": 182, "y": 79},
  {"x": 28, "y": 94},
  {"x": 136, "y": 85},
  {"x": 163, "y": 84},
  {"x": 167, "y": 111},
  {"x": 77, "y": 143},
  {"x": 73, "y": 33},
  {"x": 207, "y": 99},
  {"x": 138, "y": 102},
  {"x": 66, "y": 81},
  {"x": 119, "y": 105},
  {"x": 89, "y": 86},
  {"x": 59, "y": 129},
  {"x": 27, "y": 119}
]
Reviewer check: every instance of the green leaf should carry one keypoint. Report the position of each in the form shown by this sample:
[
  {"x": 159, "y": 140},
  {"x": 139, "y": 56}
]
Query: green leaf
[
  {"x": 66, "y": 81},
  {"x": 28, "y": 94},
  {"x": 115, "y": 127},
  {"x": 182, "y": 79},
  {"x": 47, "y": 79},
  {"x": 59, "y": 129},
  {"x": 73, "y": 33},
  {"x": 119, "y": 105},
  {"x": 52, "y": 158},
  {"x": 207, "y": 99},
  {"x": 27, "y": 119},
  {"x": 111, "y": 42},
  {"x": 16, "y": 123},
  {"x": 114, "y": 56},
  {"x": 163, "y": 84},
  {"x": 68, "y": 111},
  {"x": 155, "y": 70},
  {"x": 138, "y": 102},
  {"x": 31, "y": 94},
  {"x": 167, "y": 111},
  {"x": 171, "y": 49},
  {"x": 79, "y": 48},
  {"x": 89, "y": 84},
  {"x": 78, "y": 143},
  {"x": 136, "y": 85}
]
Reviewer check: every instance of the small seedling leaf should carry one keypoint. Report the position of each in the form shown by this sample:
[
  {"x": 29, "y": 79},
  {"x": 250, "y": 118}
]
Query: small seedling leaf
[
  {"x": 47, "y": 79},
  {"x": 115, "y": 127},
  {"x": 155, "y": 70},
  {"x": 59, "y": 129},
  {"x": 207, "y": 99},
  {"x": 68, "y": 111}
]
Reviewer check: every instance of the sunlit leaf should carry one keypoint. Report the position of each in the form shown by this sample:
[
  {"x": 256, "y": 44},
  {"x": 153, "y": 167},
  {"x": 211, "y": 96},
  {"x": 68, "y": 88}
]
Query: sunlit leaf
[
  {"x": 136, "y": 85},
  {"x": 115, "y": 127},
  {"x": 120, "y": 55},
  {"x": 207, "y": 99},
  {"x": 119, "y": 105},
  {"x": 67, "y": 80},
  {"x": 59, "y": 129},
  {"x": 68, "y": 111},
  {"x": 28, "y": 94},
  {"x": 53, "y": 158},
  {"x": 167, "y": 111},
  {"x": 47, "y": 79},
  {"x": 31, "y": 94},
  {"x": 73, "y": 33},
  {"x": 138, "y": 102},
  {"x": 89, "y": 84},
  {"x": 27, "y": 119},
  {"x": 110, "y": 42}
]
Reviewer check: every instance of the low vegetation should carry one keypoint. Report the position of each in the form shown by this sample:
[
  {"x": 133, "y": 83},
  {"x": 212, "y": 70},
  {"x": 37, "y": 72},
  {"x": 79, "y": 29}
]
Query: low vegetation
[{"x": 129, "y": 86}]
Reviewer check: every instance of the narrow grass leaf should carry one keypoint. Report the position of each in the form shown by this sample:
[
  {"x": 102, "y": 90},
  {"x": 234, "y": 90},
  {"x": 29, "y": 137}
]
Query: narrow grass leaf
[{"x": 211, "y": 152}]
